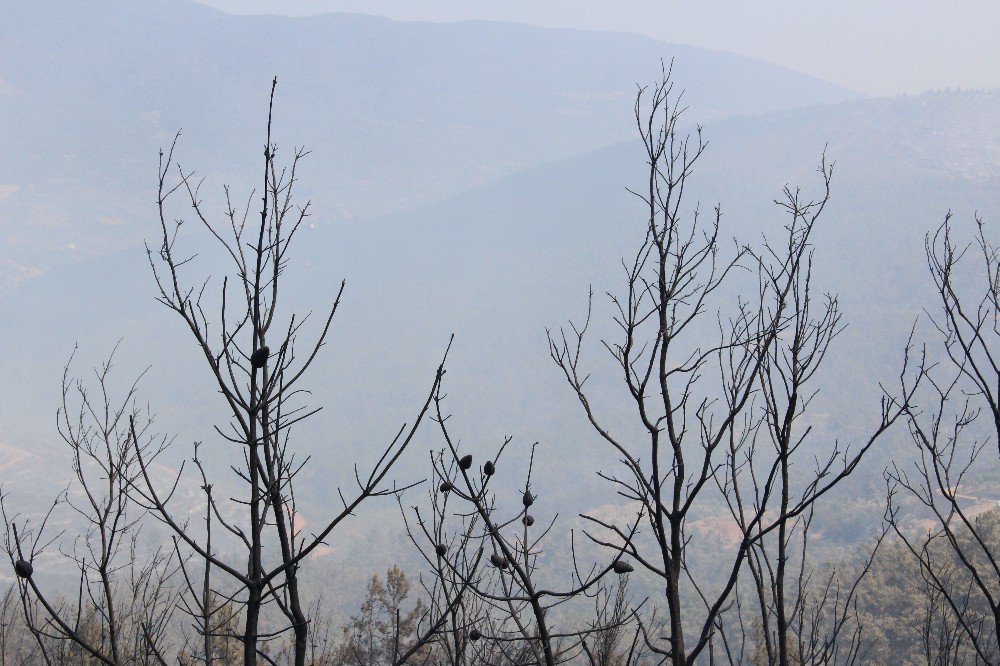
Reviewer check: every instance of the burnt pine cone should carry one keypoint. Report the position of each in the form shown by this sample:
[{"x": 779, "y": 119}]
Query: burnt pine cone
[
  {"x": 622, "y": 567},
  {"x": 23, "y": 569},
  {"x": 259, "y": 357}
]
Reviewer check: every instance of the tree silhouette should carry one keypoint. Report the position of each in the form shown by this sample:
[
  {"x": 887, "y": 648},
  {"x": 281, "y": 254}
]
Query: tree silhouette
[
  {"x": 125, "y": 600},
  {"x": 959, "y": 558},
  {"x": 709, "y": 409},
  {"x": 256, "y": 362}
]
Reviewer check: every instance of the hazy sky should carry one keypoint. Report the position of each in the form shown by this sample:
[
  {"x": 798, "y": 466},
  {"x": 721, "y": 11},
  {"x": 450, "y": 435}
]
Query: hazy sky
[{"x": 879, "y": 47}]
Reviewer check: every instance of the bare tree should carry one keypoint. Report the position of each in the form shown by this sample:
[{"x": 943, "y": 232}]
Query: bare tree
[
  {"x": 17, "y": 643},
  {"x": 124, "y": 600},
  {"x": 453, "y": 559},
  {"x": 801, "y": 619},
  {"x": 818, "y": 603},
  {"x": 252, "y": 356},
  {"x": 959, "y": 558},
  {"x": 492, "y": 604},
  {"x": 698, "y": 402},
  {"x": 609, "y": 643}
]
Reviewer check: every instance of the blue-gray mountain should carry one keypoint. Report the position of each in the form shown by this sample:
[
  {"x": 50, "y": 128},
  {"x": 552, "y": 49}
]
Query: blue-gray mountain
[{"x": 397, "y": 113}]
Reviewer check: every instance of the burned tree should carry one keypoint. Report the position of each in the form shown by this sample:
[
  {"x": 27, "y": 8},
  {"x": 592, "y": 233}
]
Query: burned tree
[
  {"x": 125, "y": 599},
  {"x": 704, "y": 408},
  {"x": 802, "y": 618},
  {"x": 252, "y": 356},
  {"x": 959, "y": 557},
  {"x": 491, "y": 602}
]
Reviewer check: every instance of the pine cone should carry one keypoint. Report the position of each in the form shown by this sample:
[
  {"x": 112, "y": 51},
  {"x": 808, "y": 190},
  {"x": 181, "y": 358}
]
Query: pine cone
[
  {"x": 23, "y": 569},
  {"x": 259, "y": 357},
  {"x": 622, "y": 567}
]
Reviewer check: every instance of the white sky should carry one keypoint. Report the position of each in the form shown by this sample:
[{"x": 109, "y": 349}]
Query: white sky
[{"x": 880, "y": 47}]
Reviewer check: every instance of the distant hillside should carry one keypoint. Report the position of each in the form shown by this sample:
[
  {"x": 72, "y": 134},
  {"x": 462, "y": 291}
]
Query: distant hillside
[
  {"x": 498, "y": 264},
  {"x": 396, "y": 114}
]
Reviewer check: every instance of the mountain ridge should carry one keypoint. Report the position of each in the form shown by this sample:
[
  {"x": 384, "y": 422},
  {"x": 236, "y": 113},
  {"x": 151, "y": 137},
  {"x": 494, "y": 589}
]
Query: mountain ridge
[{"x": 396, "y": 113}]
